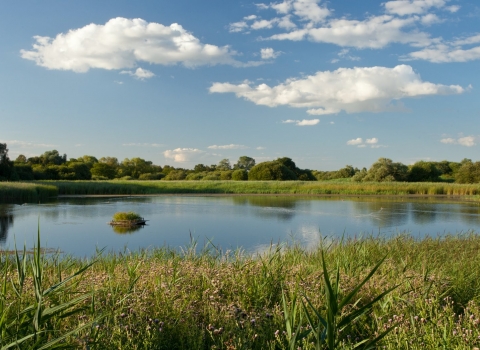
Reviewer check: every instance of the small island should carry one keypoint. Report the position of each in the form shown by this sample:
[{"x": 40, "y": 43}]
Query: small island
[{"x": 127, "y": 219}]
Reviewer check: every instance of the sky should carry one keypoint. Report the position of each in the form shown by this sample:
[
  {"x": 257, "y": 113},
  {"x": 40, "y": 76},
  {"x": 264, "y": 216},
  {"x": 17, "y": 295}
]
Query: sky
[{"x": 326, "y": 83}]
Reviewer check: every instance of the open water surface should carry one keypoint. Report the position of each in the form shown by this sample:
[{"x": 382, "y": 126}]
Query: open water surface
[{"x": 78, "y": 226}]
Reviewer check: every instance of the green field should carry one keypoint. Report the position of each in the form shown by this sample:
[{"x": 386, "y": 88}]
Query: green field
[
  {"x": 26, "y": 192},
  {"x": 183, "y": 299}
]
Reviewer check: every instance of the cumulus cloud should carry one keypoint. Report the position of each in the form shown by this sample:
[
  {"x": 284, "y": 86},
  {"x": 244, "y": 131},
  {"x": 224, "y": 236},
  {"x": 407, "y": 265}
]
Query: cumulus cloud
[
  {"x": 269, "y": 53},
  {"x": 374, "y": 33},
  {"x": 412, "y": 7},
  {"x": 304, "y": 122},
  {"x": 359, "y": 89},
  {"x": 231, "y": 146},
  {"x": 355, "y": 142},
  {"x": 449, "y": 51},
  {"x": 372, "y": 143},
  {"x": 122, "y": 43},
  {"x": 140, "y": 73},
  {"x": 467, "y": 141},
  {"x": 180, "y": 155}
]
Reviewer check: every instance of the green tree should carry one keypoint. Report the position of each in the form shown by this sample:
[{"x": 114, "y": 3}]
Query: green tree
[
  {"x": 424, "y": 171},
  {"x": 223, "y": 165},
  {"x": 272, "y": 170},
  {"x": 6, "y": 165},
  {"x": 135, "y": 167},
  {"x": 468, "y": 173},
  {"x": 245, "y": 163},
  {"x": 104, "y": 170},
  {"x": 21, "y": 159},
  {"x": 386, "y": 170},
  {"x": 240, "y": 175}
]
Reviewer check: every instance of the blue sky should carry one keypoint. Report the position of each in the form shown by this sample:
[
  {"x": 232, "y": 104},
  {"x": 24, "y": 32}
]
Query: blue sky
[{"x": 327, "y": 83}]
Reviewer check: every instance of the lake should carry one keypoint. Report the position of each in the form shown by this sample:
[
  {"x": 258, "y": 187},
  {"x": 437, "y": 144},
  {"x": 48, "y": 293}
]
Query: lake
[{"x": 78, "y": 226}]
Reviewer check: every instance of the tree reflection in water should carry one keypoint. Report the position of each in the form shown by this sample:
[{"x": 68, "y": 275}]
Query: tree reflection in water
[{"x": 6, "y": 221}]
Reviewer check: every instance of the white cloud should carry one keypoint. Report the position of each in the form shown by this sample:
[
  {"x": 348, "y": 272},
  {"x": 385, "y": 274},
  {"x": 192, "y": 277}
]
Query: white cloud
[
  {"x": 122, "y": 43},
  {"x": 250, "y": 18},
  {"x": 453, "y": 8},
  {"x": 263, "y": 24},
  {"x": 140, "y": 73},
  {"x": 375, "y": 33},
  {"x": 360, "y": 89},
  {"x": 304, "y": 122},
  {"x": 231, "y": 146},
  {"x": 448, "y": 51},
  {"x": 448, "y": 140},
  {"x": 372, "y": 143},
  {"x": 260, "y": 148},
  {"x": 181, "y": 155},
  {"x": 269, "y": 53},
  {"x": 467, "y": 141},
  {"x": 238, "y": 27},
  {"x": 355, "y": 142},
  {"x": 430, "y": 19},
  {"x": 308, "y": 10},
  {"x": 412, "y": 7},
  {"x": 26, "y": 144}
]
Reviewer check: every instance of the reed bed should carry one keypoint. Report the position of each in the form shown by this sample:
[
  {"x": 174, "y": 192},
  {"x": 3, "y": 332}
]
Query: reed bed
[
  {"x": 26, "y": 192},
  {"x": 263, "y": 187},
  {"x": 207, "y": 298}
]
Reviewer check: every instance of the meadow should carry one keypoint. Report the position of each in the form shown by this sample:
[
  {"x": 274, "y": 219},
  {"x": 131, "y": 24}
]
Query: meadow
[
  {"x": 26, "y": 192},
  {"x": 263, "y": 187},
  {"x": 210, "y": 299}
]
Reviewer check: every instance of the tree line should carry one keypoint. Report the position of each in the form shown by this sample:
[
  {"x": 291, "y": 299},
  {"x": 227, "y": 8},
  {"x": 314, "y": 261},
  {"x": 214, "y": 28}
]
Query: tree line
[{"x": 52, "y": 165}]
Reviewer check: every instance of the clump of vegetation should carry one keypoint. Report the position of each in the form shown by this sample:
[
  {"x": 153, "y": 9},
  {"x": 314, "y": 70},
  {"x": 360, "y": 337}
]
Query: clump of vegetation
[{"x": 126, "y": 216}]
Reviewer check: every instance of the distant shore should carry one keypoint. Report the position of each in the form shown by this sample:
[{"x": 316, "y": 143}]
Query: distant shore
[{"x": 42, "y": 190}]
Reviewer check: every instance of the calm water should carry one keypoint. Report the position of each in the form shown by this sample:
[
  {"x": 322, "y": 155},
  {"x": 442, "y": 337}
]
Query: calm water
[{"x": 78, "y": 226}]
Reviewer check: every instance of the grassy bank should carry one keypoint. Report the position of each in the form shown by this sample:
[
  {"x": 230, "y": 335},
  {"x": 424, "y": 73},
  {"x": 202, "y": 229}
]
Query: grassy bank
[
  {"x": 263, "y": 187},
  {"x": 26, "y": 192},
  {"x": 166, "y": 299}
]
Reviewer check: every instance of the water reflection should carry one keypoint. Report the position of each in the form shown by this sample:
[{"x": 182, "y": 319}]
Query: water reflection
[
  {"x": 6, "y": 221},
  {"x": 278, "y": 207},
  {"x": 122, "y": 230},
  {"x": 382, "y": 214}
]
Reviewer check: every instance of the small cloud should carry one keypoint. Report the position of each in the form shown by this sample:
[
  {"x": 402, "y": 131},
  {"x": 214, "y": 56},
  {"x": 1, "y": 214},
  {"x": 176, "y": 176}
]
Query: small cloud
[
  {"x": 453, "y": 8},
  {"x": 373, "y": 143},
  {"x": 231, "y": 146},
  {"x": 269, "y": 53},
  {"x": 181, "y": 155},
  {"x": 118, "y": 82},
  {"x": 25, "y": 144},
  {"x": 467, "y": 141},
  {"x": 260, "y": 148},
  {"x": 304, "y": 122},
  {"x": 250, "y": 18},
  {"x": 355, "y": 142},
  {"x": 140, "y": 73},
  {"x": 332, "y": 123},
  {"x": 79, "y": 145}
]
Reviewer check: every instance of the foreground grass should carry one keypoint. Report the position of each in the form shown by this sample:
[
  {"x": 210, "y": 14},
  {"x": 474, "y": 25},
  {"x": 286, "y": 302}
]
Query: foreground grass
[
  {"x": 263, "y": 187},
  {"x": 26, "y": 191},
  {"x": 170, "y": 299}
]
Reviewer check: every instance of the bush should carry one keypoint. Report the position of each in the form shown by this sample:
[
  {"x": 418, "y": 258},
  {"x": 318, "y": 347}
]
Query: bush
[
  {"x": 150, "y": 176},
  {"x": 176, "y": 175},
  {"x": 384, "y": 170},
  {"x": 468, "y": 173},
  {"x": 119, "y": 216},
  {"x": 268, "y": 171},
  {"x": 226, "y": 175},
  {"x": 240, "y": 175},
  {"x": 424, "y": 171}
]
